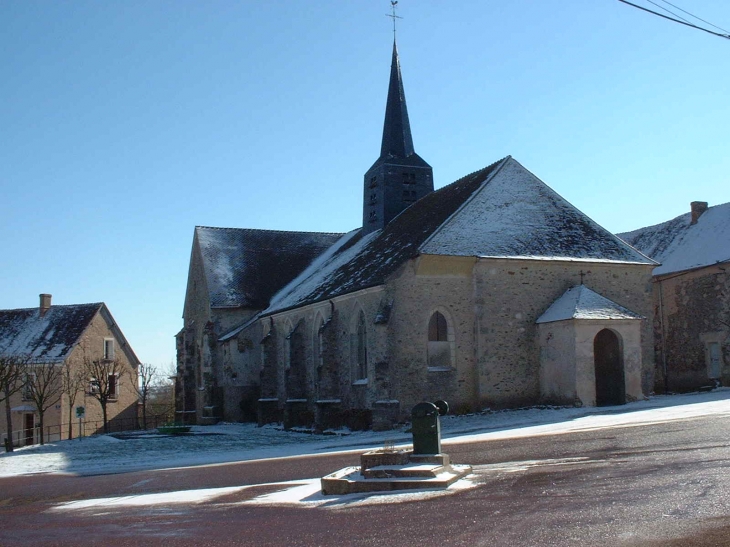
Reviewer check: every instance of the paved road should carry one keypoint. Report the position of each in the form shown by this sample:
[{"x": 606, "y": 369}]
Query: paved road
[{"x": 665, "y": 484}]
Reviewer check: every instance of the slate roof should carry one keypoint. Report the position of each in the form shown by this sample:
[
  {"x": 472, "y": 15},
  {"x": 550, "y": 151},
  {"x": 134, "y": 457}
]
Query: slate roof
[
  {"x": 397, "y": 139},
  {"x": 245, "y": 267},
  {"x": 516, "y": 215},
  {"x": 680, "y": 246},
  {"x": 357, "y": 263},
  {"x": 580, "y": 302},
  {"x": 500, "y": 211},
  {"x": 49, "y": 338}
]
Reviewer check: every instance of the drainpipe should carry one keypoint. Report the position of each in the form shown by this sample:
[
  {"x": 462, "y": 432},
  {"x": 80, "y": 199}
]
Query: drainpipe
[{"x": 664, "y": 342}]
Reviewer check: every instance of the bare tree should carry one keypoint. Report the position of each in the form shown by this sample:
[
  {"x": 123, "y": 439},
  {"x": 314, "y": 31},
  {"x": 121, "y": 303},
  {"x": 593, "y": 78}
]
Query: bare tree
[
  {"x": 161, "y": 399},
  {"x": 12, "y": 372},
  {"x": 44, "y": 386},
  {"x": 103, "y": 376},
  {"x": 144, "y": 381},
  {"x": 74, "y": 380}
]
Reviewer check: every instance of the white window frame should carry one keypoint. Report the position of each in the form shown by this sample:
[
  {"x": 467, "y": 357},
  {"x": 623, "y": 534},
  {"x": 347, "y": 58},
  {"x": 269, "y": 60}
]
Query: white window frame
[
  {"x": 27, "y": 391},
  {"x": 109, "y": 345}
]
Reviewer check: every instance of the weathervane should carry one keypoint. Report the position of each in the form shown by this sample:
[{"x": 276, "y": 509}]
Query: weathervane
[{"x": 393, "y": 4}]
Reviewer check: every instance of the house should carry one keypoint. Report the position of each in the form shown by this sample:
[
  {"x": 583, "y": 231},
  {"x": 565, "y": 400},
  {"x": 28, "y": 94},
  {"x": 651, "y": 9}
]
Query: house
[
  {"x": 440, "y": 294},
  {"x": 691, "y": 294},
  {"x": 69, "y": 336}
]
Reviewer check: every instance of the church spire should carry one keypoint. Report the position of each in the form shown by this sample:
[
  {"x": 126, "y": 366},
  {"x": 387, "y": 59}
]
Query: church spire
[
  {"x": 399, "y": 177},
  {"x": 397, "y": 139}
]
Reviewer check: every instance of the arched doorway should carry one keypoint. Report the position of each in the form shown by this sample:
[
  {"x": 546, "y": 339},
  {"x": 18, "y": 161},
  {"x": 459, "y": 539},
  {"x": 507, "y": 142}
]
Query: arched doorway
[{"x": 609, "y": 365}]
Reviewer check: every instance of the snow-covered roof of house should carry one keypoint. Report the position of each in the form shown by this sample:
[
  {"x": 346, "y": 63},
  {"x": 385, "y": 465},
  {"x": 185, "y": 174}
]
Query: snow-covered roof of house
[
  {"x": 580, "y": 302},
  {"x": 44, "y": 337},
  {"x": 680, "y": 245},
  {"x": 245, "y": 268},
  {"x": 502, "y": 210}
]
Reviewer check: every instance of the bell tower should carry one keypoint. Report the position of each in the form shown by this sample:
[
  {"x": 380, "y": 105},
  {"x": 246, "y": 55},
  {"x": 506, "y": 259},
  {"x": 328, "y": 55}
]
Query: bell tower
[{"x": 399, "y": 176}]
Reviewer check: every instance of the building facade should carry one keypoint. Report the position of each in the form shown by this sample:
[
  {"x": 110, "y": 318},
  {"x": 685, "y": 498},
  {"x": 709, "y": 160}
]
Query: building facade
[
  {"x": 691, "y": 295},
  {"x": 436, "y": 296},
  {"x": 67, "y": 337}
]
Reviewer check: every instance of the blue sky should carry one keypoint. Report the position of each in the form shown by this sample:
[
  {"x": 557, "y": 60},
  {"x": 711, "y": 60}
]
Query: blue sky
[{"x": 124, "y": 124}]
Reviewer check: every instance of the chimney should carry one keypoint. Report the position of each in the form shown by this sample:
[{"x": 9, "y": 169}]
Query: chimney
[
  {"x": 45, "y": 303},
  {"x": 697, "y": 208}
]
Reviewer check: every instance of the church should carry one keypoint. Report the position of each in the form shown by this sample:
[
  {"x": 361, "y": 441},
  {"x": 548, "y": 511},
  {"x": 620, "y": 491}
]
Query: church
[{"x": 490, "y": 292}]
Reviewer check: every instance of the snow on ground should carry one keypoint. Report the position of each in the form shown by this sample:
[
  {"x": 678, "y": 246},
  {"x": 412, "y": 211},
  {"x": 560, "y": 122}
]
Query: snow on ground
[{"x": 105, "y": 454}]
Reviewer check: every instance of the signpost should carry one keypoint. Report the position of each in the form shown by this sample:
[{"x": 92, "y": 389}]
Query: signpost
[{"x": 80, "y": 413}]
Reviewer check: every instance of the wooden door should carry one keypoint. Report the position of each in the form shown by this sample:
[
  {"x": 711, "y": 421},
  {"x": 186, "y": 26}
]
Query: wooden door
[
  {"x": 609, "y": 364},
  {"x": 29, "y": 427}
]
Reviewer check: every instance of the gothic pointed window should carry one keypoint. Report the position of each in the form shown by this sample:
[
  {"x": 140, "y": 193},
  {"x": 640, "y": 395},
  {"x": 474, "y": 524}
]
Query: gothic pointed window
[
  {"x": 440, "y": 343},
  {"x": 318, "y": 342},
  {"x": 360, "y": 350}
]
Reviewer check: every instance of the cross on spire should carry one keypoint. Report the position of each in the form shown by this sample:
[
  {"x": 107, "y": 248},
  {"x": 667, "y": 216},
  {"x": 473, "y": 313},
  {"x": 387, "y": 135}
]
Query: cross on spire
[{"x": 393, "y": 4}]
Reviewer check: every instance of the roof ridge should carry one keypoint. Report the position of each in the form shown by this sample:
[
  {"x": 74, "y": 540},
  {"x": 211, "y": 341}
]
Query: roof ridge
[
  {"x": 686, "y": 214},
  {"x": 268, "y": 231},
  {"x": 96, "y": 304},
  {"x": 489, "y": 172},
  {"x": 470, "y": 175}
]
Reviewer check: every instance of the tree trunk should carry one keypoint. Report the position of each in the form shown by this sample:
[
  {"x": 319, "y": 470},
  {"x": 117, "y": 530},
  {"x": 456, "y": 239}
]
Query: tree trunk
[
  {"x": 103, "y": 412},
  {"x": 40, "y": 424},
  {"x": 144, "y": 413},
  {"x": 71, "y": 421},
  {"x": 9, "y": 421}
]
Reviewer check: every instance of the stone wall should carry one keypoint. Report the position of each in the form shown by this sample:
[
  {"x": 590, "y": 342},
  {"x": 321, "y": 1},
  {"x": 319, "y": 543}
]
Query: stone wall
[
  {"x": 308, "y": 356},
  {"x": 693, "y": 310},
  {"x": 218, "y": 381},
  {"x": 490, "y": 306},
  {"x": 424, "y": 286},
  {"x": 512, "y": 294},
  {"x": 558, "y": 362}
]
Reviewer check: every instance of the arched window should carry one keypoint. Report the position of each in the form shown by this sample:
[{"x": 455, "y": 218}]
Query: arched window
[
  {"x": 361, "y": 353},
  {"x": 437, "y": 329},
  {"x": 318, "y": 342},
  {"x": 440, "y": 343}
]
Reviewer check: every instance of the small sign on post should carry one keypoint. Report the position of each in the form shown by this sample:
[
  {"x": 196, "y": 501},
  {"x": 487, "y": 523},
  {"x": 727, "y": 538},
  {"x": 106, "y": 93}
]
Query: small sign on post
[{"x": 80, "y": 413}]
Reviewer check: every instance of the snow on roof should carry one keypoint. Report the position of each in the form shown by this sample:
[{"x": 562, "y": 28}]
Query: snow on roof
[
  {"x": 245, "y": 268},
  {"x": 346, "y": 248},
  {"x": 515, "y": 214},
  {"x": 44, "y": 338},
  {"x": 358, "y": 262},
  {"x": 680, "y": 246},
  {"x": 580, "y": 302},
  {"x": 502, "y": 210}
]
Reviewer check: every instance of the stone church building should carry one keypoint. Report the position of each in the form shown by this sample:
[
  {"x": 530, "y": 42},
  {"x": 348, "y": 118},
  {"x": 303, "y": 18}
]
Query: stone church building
[{"x": 492, "y": 291}]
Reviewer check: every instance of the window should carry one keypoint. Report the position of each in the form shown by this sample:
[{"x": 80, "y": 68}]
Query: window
[
  {"x": 409, "y": 178},
  {"x": 94, "y": 386},
  {"x": 373, "y": 181},
  {"x": 109, "y": 348},
  {"x": 440, "y": 347},
  {"x": 113, "y": 385},
  {"x": 361, "y": 349},
  {"x": 373, "y": 216},
  {"x": 28, "y": 387},
  {"x": 373, "y": 197},
  {"x": 409, "y": 195},
  {"x": 437, "y": 329},
  {"x": 318, "y": 342}
]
